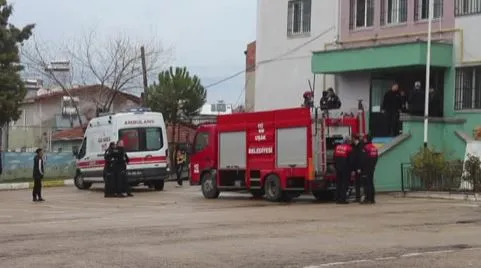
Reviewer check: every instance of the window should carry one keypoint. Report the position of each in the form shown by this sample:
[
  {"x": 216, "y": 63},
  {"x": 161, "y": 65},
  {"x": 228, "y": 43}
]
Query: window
[
  {"x": 141, "y": 139},
  {"x": 361, "y": 14},
  {"x": 394, "y": 11},
  {"x": 83, "y": 149},
  {"x": 421, "y": 9},
  {"x": 213, "y": 108},
  {"x": 468, "y": 88},
  {"x": 221, "y": 107},
  {"x": 467, "y": 7},
  {"x": 298, "y": 17},
  {"x": 201, "y": 141}
]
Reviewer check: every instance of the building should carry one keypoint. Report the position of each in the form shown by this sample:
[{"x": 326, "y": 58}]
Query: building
[
  {"x": 210, "y": 111},
  {"x": 374, "y": 44},
  {"x": 49, "y": 112},
  {"x": 250, "y": 79},
  {"x": 287, "y": 33}
]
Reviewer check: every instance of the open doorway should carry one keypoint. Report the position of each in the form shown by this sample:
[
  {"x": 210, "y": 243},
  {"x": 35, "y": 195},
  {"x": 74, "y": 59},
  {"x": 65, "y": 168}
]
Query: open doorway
[{"x": 381, "y": 82}]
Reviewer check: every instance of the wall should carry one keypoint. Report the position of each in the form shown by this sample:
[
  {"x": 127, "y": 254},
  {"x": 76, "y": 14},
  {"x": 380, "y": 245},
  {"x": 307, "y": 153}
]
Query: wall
[
  {"x": 19, "y": 166},
  {"x": 250, "y": 94},
  {"x": 472, "y": 38},
  {"x": 351, "y": 88},
  {"x": 280, "y": 83},
  {"x": 411, "y": 26}
]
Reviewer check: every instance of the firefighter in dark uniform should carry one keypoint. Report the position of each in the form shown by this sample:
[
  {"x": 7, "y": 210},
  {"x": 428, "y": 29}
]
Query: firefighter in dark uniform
[
  {"x": 369, "y": 165},
  {"x": 357, "y": 164},
  {"x": 108, "y": 171},
  {"x": 123, "y": 160},
  {"x": 342, "y": 157}
]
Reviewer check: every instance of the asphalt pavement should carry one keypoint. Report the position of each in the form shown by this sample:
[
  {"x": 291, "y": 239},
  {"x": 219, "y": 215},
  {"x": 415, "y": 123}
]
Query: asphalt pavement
[{"x": 179, "y": 228}]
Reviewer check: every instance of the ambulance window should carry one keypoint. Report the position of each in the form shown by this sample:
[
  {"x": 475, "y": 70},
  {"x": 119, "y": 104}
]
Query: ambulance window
[
  {"x": 201, "y": 141},
  {"x": 141, "y": 139},
  {"x": 82, "y": 150}
]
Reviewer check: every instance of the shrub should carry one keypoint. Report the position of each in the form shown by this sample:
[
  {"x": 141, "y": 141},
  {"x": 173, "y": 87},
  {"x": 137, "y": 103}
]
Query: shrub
[{"x": 472, "y": 171}]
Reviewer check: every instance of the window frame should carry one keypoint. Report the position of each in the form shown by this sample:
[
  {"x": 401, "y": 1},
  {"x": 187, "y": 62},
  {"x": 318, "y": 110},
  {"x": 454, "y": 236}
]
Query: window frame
[
  {"x": 418, "y": 10},
  {"x": 398, "y": 11},
  {"x": 142, "y": 138},
  {"x": 196, "y": 139},
  {"x": 368, "y": 16},
  {"x": 467, "y": 7},
  {"x": 461, "y": 90},
  {"x": 305, "y": 17},
  {"x": 82, "y": 151}
]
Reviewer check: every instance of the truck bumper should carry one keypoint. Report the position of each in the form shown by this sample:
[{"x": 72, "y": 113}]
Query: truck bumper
[{"x": 143, "y": 175}]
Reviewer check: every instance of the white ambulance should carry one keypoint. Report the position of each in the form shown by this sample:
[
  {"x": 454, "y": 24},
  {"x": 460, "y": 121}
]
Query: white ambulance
[{"x": 144, "y": 136}]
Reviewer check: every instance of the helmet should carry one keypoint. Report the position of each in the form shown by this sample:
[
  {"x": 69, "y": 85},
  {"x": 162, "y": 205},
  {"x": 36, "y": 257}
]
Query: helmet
[{"x": 307, "y": 94}]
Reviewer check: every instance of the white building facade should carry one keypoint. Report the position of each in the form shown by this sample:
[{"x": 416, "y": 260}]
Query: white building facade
[{"x": 287, "y": 33}]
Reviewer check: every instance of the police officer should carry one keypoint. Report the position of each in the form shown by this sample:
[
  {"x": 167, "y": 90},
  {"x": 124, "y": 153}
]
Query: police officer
[
  {"x": 369, "y": 165},
  {"x": 357, "y": 164},
  {"x": 108, "y": 171},
  {"x": 342, "y": 157},
  {"x": 123, "y": 160}
]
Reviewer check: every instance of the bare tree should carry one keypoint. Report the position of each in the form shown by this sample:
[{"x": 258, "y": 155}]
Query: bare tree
[{"x": 114, "y": 64}]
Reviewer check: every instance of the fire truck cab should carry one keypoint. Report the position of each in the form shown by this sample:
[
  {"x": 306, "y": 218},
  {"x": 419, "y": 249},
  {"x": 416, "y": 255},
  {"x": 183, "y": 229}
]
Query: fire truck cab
[{"x": 280, "y": 154}]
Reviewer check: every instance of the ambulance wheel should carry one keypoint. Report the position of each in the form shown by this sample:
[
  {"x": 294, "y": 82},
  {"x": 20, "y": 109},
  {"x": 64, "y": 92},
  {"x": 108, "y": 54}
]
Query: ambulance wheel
[
  {"x": 209, "y": 186},
  {"x": 273, "y": 189},
  {"x": 80, "y": 183},
  {"x": 323, "y": 196},
  {"x": 158, "y": 185}
]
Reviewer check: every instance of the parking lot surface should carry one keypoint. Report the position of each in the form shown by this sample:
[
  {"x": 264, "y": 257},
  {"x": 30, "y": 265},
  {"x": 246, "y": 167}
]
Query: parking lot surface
[{"x": 179, "y": 228}]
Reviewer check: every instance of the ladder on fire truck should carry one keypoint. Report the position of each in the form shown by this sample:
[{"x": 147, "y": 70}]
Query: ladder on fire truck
[{"x": 323, "y": 128}]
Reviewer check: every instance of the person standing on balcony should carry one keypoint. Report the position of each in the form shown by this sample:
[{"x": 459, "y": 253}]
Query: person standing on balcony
[
  {"x": 38, "y": 172},
  {"x": 435, "y": 105},
  {"x": 391, "y": 107},
  {"x": 416, "y": 100}
]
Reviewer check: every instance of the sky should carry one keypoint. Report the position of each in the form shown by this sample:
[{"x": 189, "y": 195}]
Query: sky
[{"x": 207, "y": 36}]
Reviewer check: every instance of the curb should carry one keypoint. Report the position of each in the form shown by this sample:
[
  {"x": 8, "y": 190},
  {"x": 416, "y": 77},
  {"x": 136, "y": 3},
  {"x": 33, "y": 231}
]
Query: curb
[
  {"x": 29, "y": 185},
  {"x": 442, "y": 195}
]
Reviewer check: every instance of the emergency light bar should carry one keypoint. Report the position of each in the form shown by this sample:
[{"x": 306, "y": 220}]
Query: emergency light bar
[{"x": 139, "y": 110}]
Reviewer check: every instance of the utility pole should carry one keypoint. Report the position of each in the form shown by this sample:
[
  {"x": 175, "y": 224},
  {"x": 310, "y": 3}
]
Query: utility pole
[
  {"x": 428, "y": 73},
  {"x": 144, "y": 74}
]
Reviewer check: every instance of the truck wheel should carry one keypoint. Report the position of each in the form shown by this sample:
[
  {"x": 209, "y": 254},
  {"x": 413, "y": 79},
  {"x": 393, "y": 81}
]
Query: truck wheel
[
  {"x": 257, "y": 193},
  {"x": 79, "y": 182},
  {"x": 209, "y": 186},
  {"x": 273, "y": 188},
  {"x": 323, "y": 196},
  {"x": 158, "y": 185}
]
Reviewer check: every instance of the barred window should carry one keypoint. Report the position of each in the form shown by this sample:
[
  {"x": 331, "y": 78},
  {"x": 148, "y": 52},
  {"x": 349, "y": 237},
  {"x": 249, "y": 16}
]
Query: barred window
[
  {"x": 361, "y": 14},
  {"x": 467, "y": 7},
  {"x": 468, "y": 88},
  {"x": 421, "y": 9},
  {"x": 298, "y": 17},
  {"x": 394, "y": 11}
]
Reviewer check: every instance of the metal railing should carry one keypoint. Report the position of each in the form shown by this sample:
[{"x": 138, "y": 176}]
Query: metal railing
[{"x": 451, "y": 180}]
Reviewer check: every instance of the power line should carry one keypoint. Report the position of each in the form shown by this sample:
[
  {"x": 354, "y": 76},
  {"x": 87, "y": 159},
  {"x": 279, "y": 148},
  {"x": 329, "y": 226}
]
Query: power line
[{"x": 273, "y": 59}]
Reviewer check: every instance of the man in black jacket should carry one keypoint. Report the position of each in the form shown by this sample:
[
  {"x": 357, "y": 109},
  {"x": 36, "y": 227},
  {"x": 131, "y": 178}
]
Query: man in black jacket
[
  {"x": 38, "y": 171},
  {"x": 123, "y": 160},
  {"x": 435, "y": 105},
  {"x": 391, "y": 107},
  {"x": 109, "y": 171},
  {"x": 356, "y": 164},
  {"x": 416, "y": 100}
]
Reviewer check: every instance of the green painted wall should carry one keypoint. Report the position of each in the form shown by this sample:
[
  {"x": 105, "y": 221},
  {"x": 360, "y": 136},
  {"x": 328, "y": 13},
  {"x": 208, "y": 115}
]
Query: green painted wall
[{"x": 380, "y": 57}]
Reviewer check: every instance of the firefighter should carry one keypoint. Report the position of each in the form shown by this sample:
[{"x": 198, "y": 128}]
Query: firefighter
[
  {"x": 108, "y": 171},
  {"x": 356, "y": 164},
  {"x": 342, "y": 156},
  {"x": 369, "y": 165}
]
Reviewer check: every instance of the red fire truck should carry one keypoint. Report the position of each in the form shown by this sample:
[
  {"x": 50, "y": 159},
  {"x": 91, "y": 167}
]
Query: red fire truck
[{"x": 280, "y": 154}]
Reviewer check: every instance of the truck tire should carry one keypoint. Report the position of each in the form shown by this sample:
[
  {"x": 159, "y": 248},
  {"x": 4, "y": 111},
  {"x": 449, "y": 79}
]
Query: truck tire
[
  {"x": 257, "y": 193},
  {"x": 158, "y": 185},
  {"x": 79, "y": 182},
  {"x": 273, "y": 189},
  {"x": 209, "y": 186},
  {"x": 323, "y": 196}
]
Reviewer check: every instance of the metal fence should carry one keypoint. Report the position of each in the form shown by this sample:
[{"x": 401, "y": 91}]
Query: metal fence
[{"x": 450, "y": 180}]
